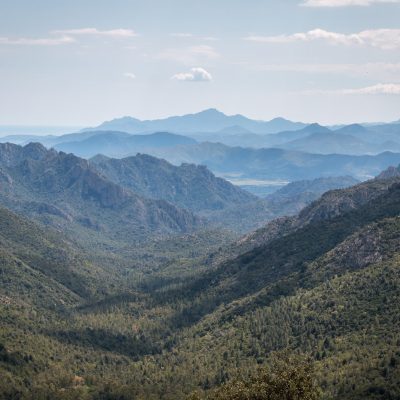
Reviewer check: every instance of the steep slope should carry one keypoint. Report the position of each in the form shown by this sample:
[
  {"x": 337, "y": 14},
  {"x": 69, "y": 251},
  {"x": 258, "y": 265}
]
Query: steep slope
[
  {"x": 322, "y": 286},
  {"x": 285, "y": 245},
  {"x": 316, "y": 186},
  {"x": 43, "y": 268},
  {"x": 331, "y": 204},
  {"x": 12, "y": 155},
  {"x": 285, "y": 202},
  {"x": 389, "y": 173},
  {"x": 323, "y": 289},
  {"x": 189, "y": 186},
  {"x": 65, "y": 191},
  {"x": 196, "y": 188},
  {"x": 344, "y": 322}
]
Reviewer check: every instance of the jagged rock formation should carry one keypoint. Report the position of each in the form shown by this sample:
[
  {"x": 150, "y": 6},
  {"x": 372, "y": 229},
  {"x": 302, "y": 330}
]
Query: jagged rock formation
[
  {"x": 190, "y": 186},
  {"x": 60, "y": 189}
]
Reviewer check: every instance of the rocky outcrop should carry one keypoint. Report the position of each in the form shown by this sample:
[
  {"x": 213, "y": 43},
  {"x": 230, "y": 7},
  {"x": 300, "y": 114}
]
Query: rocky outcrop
[
  {"x": 390, "y": 173},
  {"x": 190, "y": 186},
  {"x": 48, "y": 185}
]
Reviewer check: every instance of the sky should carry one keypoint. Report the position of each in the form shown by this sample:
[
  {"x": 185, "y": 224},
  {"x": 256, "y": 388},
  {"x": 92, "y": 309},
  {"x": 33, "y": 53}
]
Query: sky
[{"x": 80, "y": 62}]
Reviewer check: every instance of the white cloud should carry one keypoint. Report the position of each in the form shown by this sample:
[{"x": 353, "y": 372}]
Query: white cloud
[
  {"x": 130, "y": 75},
  {"x": 386, "y": 39},
  {"x": 37, "y": 41},
  {"x": 114, "y": 33},
  {"x": 377, "y": 68},
  {"x": 380, "y": 88},
  {"x": 67, "y": 36},
  {"x": 195, "y": 75},
  {"x": 344, "y": 3}
]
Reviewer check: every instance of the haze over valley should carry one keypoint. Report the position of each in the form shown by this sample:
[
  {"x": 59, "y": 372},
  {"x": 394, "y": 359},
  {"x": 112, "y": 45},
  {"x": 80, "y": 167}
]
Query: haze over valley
[{"x": 200, "y": 201}]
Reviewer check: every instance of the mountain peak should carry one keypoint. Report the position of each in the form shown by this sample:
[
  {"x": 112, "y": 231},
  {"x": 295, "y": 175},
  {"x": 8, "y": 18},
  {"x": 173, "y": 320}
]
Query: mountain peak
[
  {"x": 315, "y": 125},
  {"x": 315, "y": 128},
  {"x": 279, "y": 119},
  {"x": 352, "y": 128},
  {"x": 126, "y": 118},
  {"x": 211, "y": 111},
  {"x": 11, "y": 154}
]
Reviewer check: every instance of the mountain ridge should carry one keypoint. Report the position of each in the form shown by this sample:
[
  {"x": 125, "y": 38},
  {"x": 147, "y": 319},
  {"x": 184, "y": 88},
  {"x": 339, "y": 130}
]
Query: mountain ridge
[
  {"x": 67, "y": 183},
  {"x": 190, "y": 186},
  {"x": 210, "y": 120}
]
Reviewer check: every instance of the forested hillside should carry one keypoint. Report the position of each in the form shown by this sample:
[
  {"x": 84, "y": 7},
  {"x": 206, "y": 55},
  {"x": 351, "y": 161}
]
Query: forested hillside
[
  {"x": 317, "y": 284},
  {"x": 200, "y": 200}
]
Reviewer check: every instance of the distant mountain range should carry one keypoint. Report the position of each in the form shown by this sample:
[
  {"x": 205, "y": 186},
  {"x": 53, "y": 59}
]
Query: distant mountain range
[
  {"x": 335, "y": 143},
  {"x": 240, "y": 147},
  {"x": 309, "y": 153},
  {"x": 115, "y": 144},
  {"x": 127, "y": 136},
  {"x": 314, "y": 138},
  {"x": 210, "y": 120},
  {"x": 267, "y": 164},
  {"x": 277, "y": 164},
  {"x": 351, "y": 139}
]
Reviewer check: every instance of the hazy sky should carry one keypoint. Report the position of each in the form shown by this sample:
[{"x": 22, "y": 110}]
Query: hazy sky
[{"x": 79, "y": 62}]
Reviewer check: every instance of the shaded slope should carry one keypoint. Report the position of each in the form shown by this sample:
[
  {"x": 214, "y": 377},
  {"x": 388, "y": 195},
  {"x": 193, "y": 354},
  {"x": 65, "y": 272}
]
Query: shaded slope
[
  {"x": 44, "y": 268},
  {"x": 289, "y": 250}
]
